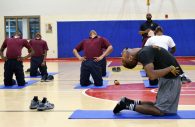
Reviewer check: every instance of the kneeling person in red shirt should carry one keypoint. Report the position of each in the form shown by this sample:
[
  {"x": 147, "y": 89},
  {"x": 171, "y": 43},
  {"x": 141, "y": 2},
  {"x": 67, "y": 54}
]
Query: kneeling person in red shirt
[
  {"x": 14, "y": 60},
  {"x": 93, "y": 58}
]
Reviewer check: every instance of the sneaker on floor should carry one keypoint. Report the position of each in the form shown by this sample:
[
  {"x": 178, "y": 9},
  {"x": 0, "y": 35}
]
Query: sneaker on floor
[
  {"x": 114, "y": 69},
  {"x": 118, "y": 69},
  {"x": 45, "y": 106},
  {"x": 121, "y": 105},
  {"x": 50, "y": 78},
  {"x": 34, "y": 104},
  {"x": 184, "y": 80},
  {"x": 44, "y": 78}
]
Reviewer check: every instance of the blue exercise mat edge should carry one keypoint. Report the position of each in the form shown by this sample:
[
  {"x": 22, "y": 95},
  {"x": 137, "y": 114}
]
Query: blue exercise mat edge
[
  {"x": 108, "y": 114},
  {"x": 147, "y": 84},
  {"x": 30, "y": 82}
]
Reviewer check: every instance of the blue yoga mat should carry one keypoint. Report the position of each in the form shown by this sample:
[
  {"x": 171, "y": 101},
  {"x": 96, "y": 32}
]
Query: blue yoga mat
[
  {"x": 78, "y": 85},
  {"x": 147, "y": 84},
  {"x": 143, "y": 73},
  {"x": 51, "y": 73},
  {"x": 19, "y": 87},
  {"x": 108, "y": 114}
]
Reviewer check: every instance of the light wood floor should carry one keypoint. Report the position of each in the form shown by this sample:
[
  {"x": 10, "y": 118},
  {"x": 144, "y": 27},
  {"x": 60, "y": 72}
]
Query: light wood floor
[{"x": 14, "y": 104}]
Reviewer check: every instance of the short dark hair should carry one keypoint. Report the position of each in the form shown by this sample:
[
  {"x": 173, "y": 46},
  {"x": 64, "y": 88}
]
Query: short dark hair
[
  {"x": 158, "y": 29},
  {"x": 38, "y": 34},
  {"x": 17, "y": 33},
  {"x": 129, "y": 64}
]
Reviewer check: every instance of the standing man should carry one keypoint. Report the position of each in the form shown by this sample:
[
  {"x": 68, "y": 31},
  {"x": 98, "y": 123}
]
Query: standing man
[
  {"x": 147, "y": 28},
  {"x": 158, "y": 63},
  {"x": 165, "y": 42},
  {"x": 14, "y": 60},
  {"x": 93, "y": 58},
  {"x": 38, "y": 60}
]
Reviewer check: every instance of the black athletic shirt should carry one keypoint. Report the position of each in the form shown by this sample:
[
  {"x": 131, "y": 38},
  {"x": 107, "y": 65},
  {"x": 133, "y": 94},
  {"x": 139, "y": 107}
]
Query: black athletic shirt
[
  {"x": 148, "y": 25},
  {"x": 160, "y": 57}
]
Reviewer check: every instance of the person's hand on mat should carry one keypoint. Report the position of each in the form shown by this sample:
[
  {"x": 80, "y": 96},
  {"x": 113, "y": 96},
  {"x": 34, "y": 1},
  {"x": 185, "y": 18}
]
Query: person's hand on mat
[
  {"x": 82, "y": 58},
  {"x": 174, "y": 70},
  {"x": 97, "y": 59}
]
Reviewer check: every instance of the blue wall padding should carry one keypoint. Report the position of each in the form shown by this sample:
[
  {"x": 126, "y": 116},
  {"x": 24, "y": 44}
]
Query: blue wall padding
[{"x": 124, "y": 33}]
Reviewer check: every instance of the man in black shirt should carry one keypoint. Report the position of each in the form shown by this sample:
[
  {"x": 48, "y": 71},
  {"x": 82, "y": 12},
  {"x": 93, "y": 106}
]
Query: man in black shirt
[
  {"x": 148, "y": 27},
  {"x": 158, "y": 63}
]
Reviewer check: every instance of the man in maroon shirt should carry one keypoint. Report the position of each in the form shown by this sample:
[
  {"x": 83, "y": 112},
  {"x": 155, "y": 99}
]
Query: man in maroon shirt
[
  {"x": 93, "y": 58},
  {"x": 13, "y": 60},
  {"x": 38, "y": 59}
]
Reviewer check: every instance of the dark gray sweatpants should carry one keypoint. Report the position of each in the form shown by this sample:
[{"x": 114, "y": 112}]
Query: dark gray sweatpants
[{"x": 168, "y": 95}]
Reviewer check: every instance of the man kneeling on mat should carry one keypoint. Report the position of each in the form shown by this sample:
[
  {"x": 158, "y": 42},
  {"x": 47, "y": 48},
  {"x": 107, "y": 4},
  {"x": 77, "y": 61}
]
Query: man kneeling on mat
[
  {"x": 14, "y": 60},
  {"x": 158, "y": 63},
  {"x": 38, "y": 60},
  {"x": 93, "y": 58}
]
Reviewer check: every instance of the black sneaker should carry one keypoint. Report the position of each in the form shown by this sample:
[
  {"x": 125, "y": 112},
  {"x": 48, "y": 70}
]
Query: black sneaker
[
  {"x": 114, "y": 69},
  {"x": 118, "y": 69},
  {"x": 185, "y": 80},
  {"x": 121, "y": 105},
  {"x": 44, "y": 78},
  {"x": 49, "y": 78},
  {"x": 127, "y": 101}
]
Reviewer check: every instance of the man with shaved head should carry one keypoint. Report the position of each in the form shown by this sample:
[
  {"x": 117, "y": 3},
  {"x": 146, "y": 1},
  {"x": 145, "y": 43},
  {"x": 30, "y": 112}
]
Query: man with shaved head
[
  {"x": 95, "y": 49},
  {"x": 158, "y": 63}
]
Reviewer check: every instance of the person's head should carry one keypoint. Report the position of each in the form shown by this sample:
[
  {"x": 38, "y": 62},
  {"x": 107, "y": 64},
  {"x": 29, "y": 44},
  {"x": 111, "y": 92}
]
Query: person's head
[
  {"x": 92, "y": 33},
  {"x": 149, "y": 16},
  {"x": 128, "y": 58},
  {"x": 158, "y": 30},
  {"x": 17, "y": 35},
  {"x": 38, "y": 36}
]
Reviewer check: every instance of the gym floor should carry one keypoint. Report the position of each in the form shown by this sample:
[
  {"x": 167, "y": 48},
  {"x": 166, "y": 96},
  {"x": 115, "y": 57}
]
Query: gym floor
[{"x": 14, "y": 103}]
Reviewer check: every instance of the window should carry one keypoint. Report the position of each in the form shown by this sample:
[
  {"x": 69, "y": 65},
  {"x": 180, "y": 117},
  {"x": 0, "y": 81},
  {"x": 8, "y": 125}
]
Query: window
[{"x": 28, "y": 26}]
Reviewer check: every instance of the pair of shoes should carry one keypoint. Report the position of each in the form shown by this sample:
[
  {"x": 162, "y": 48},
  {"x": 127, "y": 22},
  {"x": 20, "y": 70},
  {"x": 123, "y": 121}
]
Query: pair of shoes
[
  {"x": 116, "y": 69},
  {"x": 41, "y": 105},
  {"x": 122, "y": 104},
  {"x": 185, "y": 80}
]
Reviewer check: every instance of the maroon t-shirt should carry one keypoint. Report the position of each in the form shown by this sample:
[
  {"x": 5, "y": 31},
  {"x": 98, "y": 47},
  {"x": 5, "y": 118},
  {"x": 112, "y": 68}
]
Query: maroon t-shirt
[
  {"x": 39, "y": 46},
  {"x": 93, "y": 47},
  {"x": 14, "y": 47}
]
